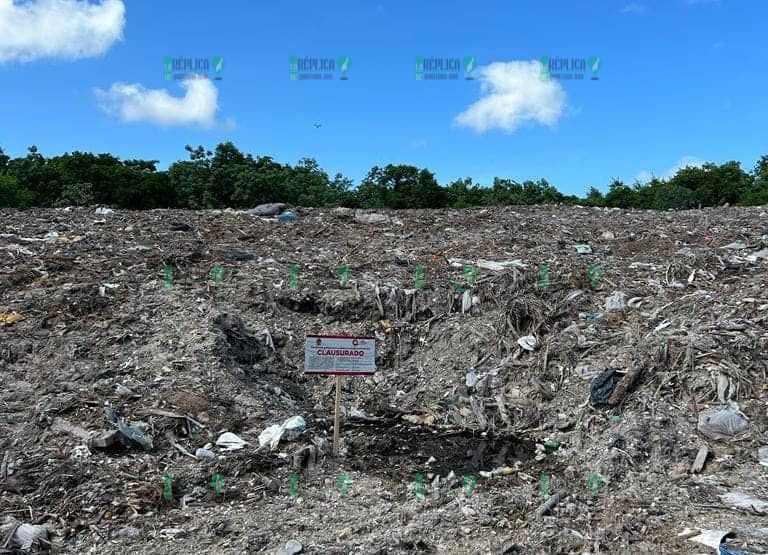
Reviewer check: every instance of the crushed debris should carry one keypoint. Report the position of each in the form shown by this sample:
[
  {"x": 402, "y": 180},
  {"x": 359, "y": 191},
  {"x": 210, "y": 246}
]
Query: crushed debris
[{"x": 157, "y": 348}]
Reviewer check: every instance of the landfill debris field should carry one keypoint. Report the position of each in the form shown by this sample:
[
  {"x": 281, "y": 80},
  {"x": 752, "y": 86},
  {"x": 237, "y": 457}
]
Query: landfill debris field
[{"x": 548, "y": 380}]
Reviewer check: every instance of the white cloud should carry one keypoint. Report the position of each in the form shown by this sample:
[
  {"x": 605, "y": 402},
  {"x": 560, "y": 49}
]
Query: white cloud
[
  {"x": 132, "y": 103},
  {"x": 645, "y": 176},
  {"x": 512, "y": 94},
  {"x": 633, "y": 8},
  {"x": 69, "y": 29}
]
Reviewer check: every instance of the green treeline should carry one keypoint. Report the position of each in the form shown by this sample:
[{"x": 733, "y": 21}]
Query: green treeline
[{"x": 229, "y": 178}]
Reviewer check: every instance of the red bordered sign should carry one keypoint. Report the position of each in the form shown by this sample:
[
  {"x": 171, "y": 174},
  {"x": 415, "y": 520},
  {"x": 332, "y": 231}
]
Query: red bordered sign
[{"x": 340, "y": 355}]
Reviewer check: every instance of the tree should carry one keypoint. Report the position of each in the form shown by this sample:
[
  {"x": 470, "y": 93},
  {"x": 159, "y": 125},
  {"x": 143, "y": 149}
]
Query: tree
[
  {"x": 620, "y": 195},
  {"x": 594, "y": 197},
  {"x": 76, "y": 194}
]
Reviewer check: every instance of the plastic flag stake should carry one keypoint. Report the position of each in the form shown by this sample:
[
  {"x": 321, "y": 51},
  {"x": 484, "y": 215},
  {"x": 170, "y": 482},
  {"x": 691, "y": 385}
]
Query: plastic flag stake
[
  {"x": 595, "y": 274},
  {"x": 343, "y": 274},
  {"x": 544, "y": 486},
  {"x": 167, "y": 488},
  {"x": 470, "y": 483},
  {"x": 419, "y": 277},
  {"x": 342, "y": 482},
  {"x": 469, "y": 274},
  {"x": 218, "y": 483},
  {"x": 418, "y": 489},
  {"x": 218, "y": 273},
  {"x": 594, "y": 483},
  {"x": 544, "y": 277}
]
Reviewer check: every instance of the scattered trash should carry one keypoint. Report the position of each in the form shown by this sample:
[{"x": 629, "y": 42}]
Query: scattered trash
[
  {"x": 290, "y": 430},
  {"x": 528, "y": 342},
  {"x": 123, "y": 391},
  {"x": 229, "y": 358},
  {"x": 602, "y": 387},
  {"x": 616, "y": 301},
  {"x": 288, "y": 217},
  {"x": 743, "y": 501},
  {"x": 269, "y": 209},
  {"x": 703, "y": 536},
  {"x": 736, "y": 245},
  {"x": 500, "y": 266},
  {"x": 24, "y": 537},
  {"x": 292, "y": 547},
  {"x": 238, "y": 256},
  {"x": 723, "y": 423},
  {"x": 371, "y": 218},
  {"x": 132, "y": 433},
  {"x": 761, "y": 254},
  {"x": 230, "y": 442},
  {"x": 102, "y": 211},
  {"x": 607, "y": 235},
  {"x": 585, "y": 371},
  {"x": 128, "y": 532},
  {"x": 80, "y": 453},
  {"x": 701, "y": 459},
  {"x": 10, "y": 318},
  {"x": 202, "y": 453},
  {"x": 583, "y": 248},
  {"x": 762, "y": 456},
  {"x": 589, "y": 316}
]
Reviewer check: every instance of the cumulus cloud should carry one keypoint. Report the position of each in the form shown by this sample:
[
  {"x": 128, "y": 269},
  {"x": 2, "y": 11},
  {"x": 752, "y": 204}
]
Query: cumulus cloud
[
  {"x": 645, "y": 176},
  {"x": 513, "y": 94},
  {"x": 68, "y": 29},
  {"x": 134, "y": 103}
]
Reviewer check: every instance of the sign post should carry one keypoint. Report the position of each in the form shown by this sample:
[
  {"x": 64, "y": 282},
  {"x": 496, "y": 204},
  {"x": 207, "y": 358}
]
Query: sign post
[
  {"x": 336, "y": 417},
  {"x": 339, "y": 355}
]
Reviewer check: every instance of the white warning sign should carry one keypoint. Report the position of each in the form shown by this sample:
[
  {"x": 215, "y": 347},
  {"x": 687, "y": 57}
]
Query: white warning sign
[{"x": 340, "y": 354}]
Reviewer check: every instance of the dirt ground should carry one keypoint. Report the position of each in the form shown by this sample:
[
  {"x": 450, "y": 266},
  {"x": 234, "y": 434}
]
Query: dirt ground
[{"x": 192, "y": 324}]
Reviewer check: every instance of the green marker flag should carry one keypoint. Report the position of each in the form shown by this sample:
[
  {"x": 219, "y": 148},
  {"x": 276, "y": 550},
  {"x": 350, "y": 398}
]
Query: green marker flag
[
  {"x": 218, "y": 483},
  {"x": 544, "y": 486},
  {"x": 544, "y": 276},
  {"x": 167, "y": 488}
]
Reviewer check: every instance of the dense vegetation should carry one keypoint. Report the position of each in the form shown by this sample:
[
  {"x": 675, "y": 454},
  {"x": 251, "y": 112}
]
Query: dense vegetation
[{"x": 229, "y": 178}]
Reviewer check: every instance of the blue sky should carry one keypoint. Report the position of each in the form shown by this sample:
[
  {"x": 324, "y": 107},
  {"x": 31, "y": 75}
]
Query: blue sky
[{"x": 680, "y": 80}]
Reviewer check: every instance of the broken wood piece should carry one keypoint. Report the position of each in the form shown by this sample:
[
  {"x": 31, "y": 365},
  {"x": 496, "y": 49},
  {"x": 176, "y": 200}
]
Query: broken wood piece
[
  {"x": 550, "y": 503},
  {"x": 701, "y": 459},
  {"x": 104, "y": 439}
]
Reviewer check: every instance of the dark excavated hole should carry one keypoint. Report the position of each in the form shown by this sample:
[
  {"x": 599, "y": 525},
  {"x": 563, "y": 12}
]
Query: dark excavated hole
[
  {"x": 306, "y": 304},
  {"x": 237, "y": 342},
  {"x": 402, "y": 450}
]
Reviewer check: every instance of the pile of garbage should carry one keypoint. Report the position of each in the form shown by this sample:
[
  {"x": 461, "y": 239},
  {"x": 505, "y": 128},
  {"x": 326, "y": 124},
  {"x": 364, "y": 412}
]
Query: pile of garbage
[{"x": 549, "y": 378}]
